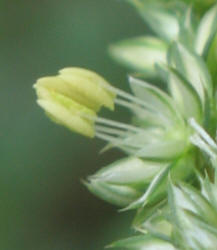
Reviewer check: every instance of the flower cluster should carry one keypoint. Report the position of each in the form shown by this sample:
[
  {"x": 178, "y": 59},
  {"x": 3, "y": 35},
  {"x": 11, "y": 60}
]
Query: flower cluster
[{"x": 168, "y": 126}]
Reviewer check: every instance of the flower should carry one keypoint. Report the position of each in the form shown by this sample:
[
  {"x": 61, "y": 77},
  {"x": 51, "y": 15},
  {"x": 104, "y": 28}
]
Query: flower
[
  {"x": 140, "y": 54},
  {"x": 160, "y": 131},
  {"x": 163, "y": 128},
  {"x": 73, "y": 97},
  {"x": 168, "y": 127}
]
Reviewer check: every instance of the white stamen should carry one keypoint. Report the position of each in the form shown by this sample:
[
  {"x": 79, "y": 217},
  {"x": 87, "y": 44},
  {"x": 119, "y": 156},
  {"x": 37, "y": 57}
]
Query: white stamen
[
  {"x": 106, "y": 137},
  {"x": 109, "y": 130},
  {"x": 132, "y": 98},
  {"x": 126, "y": 104},
  {"x": 118, "y": 124},
  {"x": 197, "y": 141},
  {"x": 132, "y": 107},
  {"x": 115, "y": 140},
  {"x": 203, "y": 134}
]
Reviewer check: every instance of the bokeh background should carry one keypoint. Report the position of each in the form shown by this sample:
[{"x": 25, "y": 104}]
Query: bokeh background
[{"x": 43, "y": 204}]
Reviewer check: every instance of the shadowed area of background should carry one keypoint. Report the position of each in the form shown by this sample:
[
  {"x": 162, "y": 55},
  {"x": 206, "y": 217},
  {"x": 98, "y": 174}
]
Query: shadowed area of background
[{"x": 44, "y": 206}]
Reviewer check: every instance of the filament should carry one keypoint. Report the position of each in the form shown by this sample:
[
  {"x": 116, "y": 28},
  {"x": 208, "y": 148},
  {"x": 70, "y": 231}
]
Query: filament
[{"x": 206, "y": 137}]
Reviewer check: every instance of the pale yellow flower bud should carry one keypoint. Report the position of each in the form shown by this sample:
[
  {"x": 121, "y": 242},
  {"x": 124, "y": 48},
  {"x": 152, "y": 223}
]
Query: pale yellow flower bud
[{"x": 73, "y": 97}]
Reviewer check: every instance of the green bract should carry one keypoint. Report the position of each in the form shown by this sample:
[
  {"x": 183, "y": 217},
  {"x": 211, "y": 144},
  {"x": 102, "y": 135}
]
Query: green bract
[
  {"x": 189, "y": 222},
  {"x": 140, "y": 53},
  {"x": 124, "y": 182}
]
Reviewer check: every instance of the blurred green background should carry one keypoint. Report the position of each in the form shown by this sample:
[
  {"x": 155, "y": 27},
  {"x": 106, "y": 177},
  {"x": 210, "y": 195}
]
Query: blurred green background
[{"x": 43, "y": 204}]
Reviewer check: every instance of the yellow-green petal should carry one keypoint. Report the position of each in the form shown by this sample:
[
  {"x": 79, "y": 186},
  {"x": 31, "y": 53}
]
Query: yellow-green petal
[
  {"x": 65, "y": 111},
  {"x": 90, "y": 86}
]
